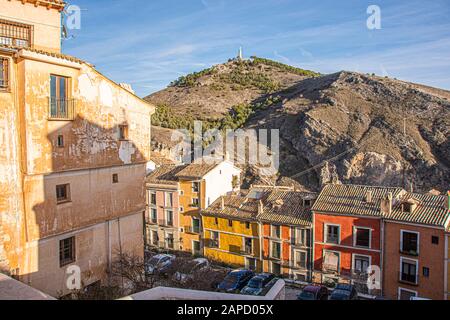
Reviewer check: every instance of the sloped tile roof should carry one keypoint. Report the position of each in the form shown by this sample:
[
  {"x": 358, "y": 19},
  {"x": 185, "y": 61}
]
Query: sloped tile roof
[
  {"x": 159, "y": 159},
  {"x": 196, "y": 170},
  {"x": 165, "y": 174},
  {"x": 57, "y": 3},
  {"x": 431, "y": 210},
  {"x": 286, "y": 207},
  {"x": 46, "y": 53},
  {"x": 351, "y": 199},
  {"x": 279, "y": 206}
]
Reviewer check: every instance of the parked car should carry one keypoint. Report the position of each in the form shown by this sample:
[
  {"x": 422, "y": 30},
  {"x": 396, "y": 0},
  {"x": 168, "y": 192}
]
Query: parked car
[
  {"x": 344, "y": 292},
  {"x": 194, "y": 266},
  {"x": 257, "y": 284},
  {"x": 235, "y": 281},
  {"x": 159, "y": 263},
  {"x": 314, "y": 293}
]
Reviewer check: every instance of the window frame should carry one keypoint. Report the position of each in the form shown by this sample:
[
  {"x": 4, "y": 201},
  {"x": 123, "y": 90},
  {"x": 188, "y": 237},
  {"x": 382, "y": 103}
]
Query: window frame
[
  {"x": 416, "y": 262},
  {"x": 326, "y": 225},
  {"x": 29, "y": 29},
  {"x": 244, "y": 245},
  {"x": 275, "y": 226},
  {"x": 4, "y": 62},
  {"x": 115, "y": 178},
  {"x": 354, "y": 258},
  {"x": 306, "y": 258},
  {"x": 280, "y": 251},
  {"x": 123, "y": 132},
  {"x": 166, "y": 215},
  {"x": 216, "y": 240},
  {"x": 153, "y": 193},
  {"x": 171, "y": 200},
  {"x": 197, "y": 189},
  {"x": 325, "y": 251},
  {"x": 195, "y": 205},
  {"x": 355, "y": 237},
  {"x": 67, "y": 198},
  {"x": 400, "y": 289},
  {"x": 66, "y": 261},
  {"x": 401, "y": 242},
  {"x": 57, "y": 99}
]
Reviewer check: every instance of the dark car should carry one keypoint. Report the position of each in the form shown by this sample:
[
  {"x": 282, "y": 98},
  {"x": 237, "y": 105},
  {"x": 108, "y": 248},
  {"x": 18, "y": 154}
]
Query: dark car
[
  {"x": 257, "y": 284},
  {"x": 235, "y": 281},
  {"x": 344, "y": 292},
  {"x": 314, "y": 293}
]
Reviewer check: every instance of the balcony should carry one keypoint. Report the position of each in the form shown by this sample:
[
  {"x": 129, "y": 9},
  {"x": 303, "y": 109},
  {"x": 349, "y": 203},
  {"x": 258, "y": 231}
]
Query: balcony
[
  {"x": 248, "y": 251},
  {"x": 410, "y": 279},
  {"x": 192, "y": 229},
  {"x": 210, "y": 243},
  {"x": 330, "y": 268},
  {"x": 409, "y": 252},
  {"x": 165, "y": 223},
  {"x": 62, "y": 109}
]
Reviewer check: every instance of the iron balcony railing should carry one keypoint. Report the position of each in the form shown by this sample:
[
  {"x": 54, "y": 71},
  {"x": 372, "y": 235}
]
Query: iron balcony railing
[
  {"x": 192, "y": 229},
  {"x": 62, "y": 109},
  {"x": 165, "y": 223}
]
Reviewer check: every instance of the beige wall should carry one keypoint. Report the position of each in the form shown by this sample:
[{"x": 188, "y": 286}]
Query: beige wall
[
  {"x": 46, "y": 22},
  {"x": 94, "y": 247}
]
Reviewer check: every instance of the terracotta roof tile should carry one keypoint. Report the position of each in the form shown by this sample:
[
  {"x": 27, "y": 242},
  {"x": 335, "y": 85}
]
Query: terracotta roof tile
[
  {"x": 196, "y": 170},
  {"x": 351, "y": 199},
  {"x": 165, "y": 174}
]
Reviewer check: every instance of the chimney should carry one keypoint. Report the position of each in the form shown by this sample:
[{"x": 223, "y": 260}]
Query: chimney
[
  {"x": 386, "y": 204},
  {"x": 222, "y": 199},
  {"x": 369, "y": 197},
  {"x": 260, "y": 207}
]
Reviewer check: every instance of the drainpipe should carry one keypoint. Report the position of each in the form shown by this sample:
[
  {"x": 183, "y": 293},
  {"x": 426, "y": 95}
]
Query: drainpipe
[
  {"x": 382, "y": 247},
  {"x": 260, "y": 236},
  {"x": 446, "y": 262}
]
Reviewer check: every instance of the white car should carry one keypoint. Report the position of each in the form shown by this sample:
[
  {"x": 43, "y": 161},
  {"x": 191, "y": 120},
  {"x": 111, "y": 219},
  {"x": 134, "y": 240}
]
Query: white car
[
  {"x": 196, "y": 265},
  {"x": 159, "y": 263}
]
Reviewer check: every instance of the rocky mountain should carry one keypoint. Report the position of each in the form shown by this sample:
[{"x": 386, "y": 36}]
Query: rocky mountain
[{"x": 344, "y": 127}]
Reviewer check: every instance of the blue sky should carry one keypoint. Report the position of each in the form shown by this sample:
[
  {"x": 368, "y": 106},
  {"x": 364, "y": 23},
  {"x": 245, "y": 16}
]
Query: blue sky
[{"x": 150, "y": 43}]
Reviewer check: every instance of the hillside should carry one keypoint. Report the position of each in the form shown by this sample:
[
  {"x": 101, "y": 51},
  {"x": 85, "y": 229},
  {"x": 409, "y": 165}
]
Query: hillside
[{"x": 344, "y": 127}]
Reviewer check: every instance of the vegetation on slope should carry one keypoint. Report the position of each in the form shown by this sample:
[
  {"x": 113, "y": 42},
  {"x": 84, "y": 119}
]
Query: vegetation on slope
[{"x": 285, "y": 67}]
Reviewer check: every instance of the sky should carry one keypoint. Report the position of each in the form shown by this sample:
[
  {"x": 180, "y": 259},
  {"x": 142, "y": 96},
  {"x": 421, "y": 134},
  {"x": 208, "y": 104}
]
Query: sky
[{"x": 149, "y": 43}]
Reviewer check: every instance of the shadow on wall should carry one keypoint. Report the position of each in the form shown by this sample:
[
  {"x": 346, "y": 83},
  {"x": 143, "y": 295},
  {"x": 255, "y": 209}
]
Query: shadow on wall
[{"x": 96, "y": 176}]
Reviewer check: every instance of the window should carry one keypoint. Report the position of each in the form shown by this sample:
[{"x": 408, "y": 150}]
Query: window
[
  {"x": 307, "y": 203},
  {"x": 60, "y": 105},
  {"x": 153, "y": 215},
  {"x": 169, "y": 241},
  {"x": 332, "y": 234},
  {"x": 301, "y": 237},
  {"x": 214, "y": 241},
  {"x": 15, "y": 34},
  {"x": 169, "y": 217},
  {"x": 276, "y": 268},
  {"x": 404, "y": 294},
  {"x": 362, "y": 237},
  {"x": 196, "y": 248},
  {"x": 434, "y": 240},
  {"x": 276, "y": 232},
  {"x": 153, "y": 198},
  {"x": 155, "y": 238},
  {"x": 123, "y": 132},
  {"x": 276, "y": 250},
  {"x": 300, "y": 259},
  {"x": 361, "y": 264},
  {"x": 115, "y": 178},
  {"x": 409, "y": 242},
  {"x": 63, "y": 193},
  {"x": 181, "y": 193},
  {"x": 250, "y": 264},
  {"x": 230, "y": 223},
  {"x": 331, "y": 261},
  {"x": 247, "y": 225},
  {"x": 195, "y": 225},
  {"x": 195, "y": 187},
  {"x": 66, "y": 251},
  {"x": 4, "y": 68},
  {"x": 60, "y": 141},
  {"x": 426, "y": 272},
  {"x": 408, "y": 272},
  {"x": 216, "y": 221},
  {"x": 181, "y": 209},
  {"x": 168, "y": 202},
  {"x": 195, "y": 203},
  {"x": 248, "y": 245}
]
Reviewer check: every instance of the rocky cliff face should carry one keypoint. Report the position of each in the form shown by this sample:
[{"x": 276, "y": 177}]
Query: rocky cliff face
[{"x": 345, "y": 127}]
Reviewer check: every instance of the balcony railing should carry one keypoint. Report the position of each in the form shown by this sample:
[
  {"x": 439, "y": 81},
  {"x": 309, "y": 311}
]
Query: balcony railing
[
  {"x": 332, "y": 239},
  {"x": 165, "y": 223},
  {"x": 62, "y": 109},
  {"x": 330, "y": 268},
  {"x": 192, "y": 229},
  {"x": 247, "y": 251},
  {"x": 409, "y": 278},
  {"x": 210, "y": 243},
  {"x": 150, "y": 220}
]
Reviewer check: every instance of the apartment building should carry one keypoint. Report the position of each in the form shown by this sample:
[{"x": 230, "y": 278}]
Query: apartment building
[
  {"x": 181, "y": 192},
  {"x": 232, "y": 232},
  {"x": 74, "y": 152},
  {"x": 348, "y": 233},
  {"x": 415, "y": 247},
  {"x": 287, "y": 225},
  {"x": 447, "y": 262}
]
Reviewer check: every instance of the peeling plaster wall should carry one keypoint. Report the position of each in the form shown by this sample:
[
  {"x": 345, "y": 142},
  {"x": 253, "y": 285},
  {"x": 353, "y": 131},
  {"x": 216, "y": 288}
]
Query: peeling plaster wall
[{"x": 31, "y": 166}]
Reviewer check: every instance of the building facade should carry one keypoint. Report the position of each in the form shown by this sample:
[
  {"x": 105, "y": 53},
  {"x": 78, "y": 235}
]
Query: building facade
[
  {"x": 348, "y": 234},
  {"x": 75, "y": 147},
  {"x": 415, "y": 247},
  {"x": 189, "y": 189}
]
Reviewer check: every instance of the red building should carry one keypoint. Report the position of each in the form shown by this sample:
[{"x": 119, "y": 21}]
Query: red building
[{"x": 348, "y": 233}]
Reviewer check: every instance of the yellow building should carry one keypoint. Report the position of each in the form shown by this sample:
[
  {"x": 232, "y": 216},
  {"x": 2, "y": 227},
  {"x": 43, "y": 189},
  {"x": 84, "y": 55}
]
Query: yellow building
[
  {"x": 232, "y": 233},
  {"x": 75, "y": 147}
]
